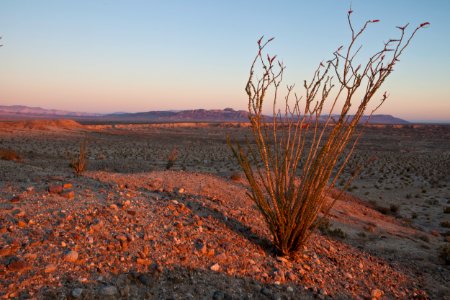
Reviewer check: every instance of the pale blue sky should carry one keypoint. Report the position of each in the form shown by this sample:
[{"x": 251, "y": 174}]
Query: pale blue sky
[{"x": 108, "y": 56}]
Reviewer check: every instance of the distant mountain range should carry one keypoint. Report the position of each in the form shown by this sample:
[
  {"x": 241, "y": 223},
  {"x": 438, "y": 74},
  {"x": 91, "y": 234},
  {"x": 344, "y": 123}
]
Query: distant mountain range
[
  {"x": 30, "y": 112},
  {"x": 17, "y": 112}
]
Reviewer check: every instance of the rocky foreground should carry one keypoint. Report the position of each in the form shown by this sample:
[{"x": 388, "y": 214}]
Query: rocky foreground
[{"x": 170, "y": 235}]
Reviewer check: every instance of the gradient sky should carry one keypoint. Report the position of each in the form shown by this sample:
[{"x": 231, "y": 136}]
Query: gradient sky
[{"x": 127, "y": 56}]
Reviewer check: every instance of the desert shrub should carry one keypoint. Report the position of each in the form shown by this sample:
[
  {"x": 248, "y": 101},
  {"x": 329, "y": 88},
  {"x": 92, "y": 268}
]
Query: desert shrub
[
  {"x": 394, "y": 208},
  {"x": 445, "y": 224},
  {"x": 383, "y": 209},
  {"x": 444, "y": 253},
  {"x": 171, "y": 158},
  {"x": 422, "y": 237},
  {"x": 79, "y": 163},
  {"x": 235, "y": 176},
  {"x": 325, "y": 228},
  {"x": 297, "y": 155},
  {"x": 7, "y": 154}
]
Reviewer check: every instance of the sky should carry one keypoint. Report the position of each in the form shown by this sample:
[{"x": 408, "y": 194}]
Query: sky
[{"x": 109, "y": 56}]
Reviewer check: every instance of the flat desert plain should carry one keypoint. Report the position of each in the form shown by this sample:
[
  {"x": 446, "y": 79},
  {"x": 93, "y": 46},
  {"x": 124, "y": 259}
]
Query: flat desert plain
[{"x": 127, "y": 228}]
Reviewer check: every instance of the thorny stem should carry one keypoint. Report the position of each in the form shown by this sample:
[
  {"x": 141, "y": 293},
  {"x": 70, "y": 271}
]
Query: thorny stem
[{"x": 299, "y": 156}]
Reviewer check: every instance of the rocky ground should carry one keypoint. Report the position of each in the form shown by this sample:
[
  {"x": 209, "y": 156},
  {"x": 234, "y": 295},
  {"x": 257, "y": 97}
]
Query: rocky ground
[{"x": 128, "y": 229}]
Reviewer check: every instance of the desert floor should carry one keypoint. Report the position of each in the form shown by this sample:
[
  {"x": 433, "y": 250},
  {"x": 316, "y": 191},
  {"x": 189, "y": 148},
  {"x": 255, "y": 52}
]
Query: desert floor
[{"x": 127, "y": 228}]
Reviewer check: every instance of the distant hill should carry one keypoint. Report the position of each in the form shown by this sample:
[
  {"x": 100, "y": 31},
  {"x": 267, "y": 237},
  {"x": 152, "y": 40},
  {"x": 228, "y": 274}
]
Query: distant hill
[
  {"x": 18, "y": 112},
  {"x": 384, "y": 119},
  {"x": 195, "y": 115}
]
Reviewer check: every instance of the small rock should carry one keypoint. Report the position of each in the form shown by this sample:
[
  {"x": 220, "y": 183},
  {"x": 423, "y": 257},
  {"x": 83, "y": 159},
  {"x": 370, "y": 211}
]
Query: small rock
[
  {"x": 5, "y": 251},
  {"x": 76, "y": 293},
  {"x": 69, "y": 195},
  {"x": 376, "y": 293},
  {"x": 18, "y": 213},
  {"x": 67, "y": 186},
  {"x": 18, "y": 266},
  {"x": 15, "y": 199},
  {"x": 181, "y": 191},
  {"x": 215, "y": 267},
  {"x": 221, "y": 257},
  {"x": 113, "y": 206},
  {"x": 50, "y": 268},
  {"x": 290, "y": 289},
  {"x": 55, "y": 189},
  {"x": 97, "y": 225},
  {"x": 109, "y": 290},
  {"x": 144, "y": 262},
  {"x": 200, "y": 246},
  {"x": 71, "y": 256},
  {"x": 121, "y": 237},
  {"x": 282, "y": 259}
]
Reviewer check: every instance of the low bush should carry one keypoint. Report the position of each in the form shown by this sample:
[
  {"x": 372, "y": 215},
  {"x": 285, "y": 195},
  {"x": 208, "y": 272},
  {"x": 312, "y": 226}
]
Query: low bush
[
  {"x": 171, "y": 158},
  {"x": 79, "y": 163},
  {"x": 7, "y": 154}
]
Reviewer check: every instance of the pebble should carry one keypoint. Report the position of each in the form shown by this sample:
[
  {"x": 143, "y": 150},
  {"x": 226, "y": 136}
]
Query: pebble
[
  {"x": 76, "y": 293},
  {"x": 376, "y": 294},
  {"x": 50, "y": 268},
  {"x": 215, "y": 267},
  {"x": 55, "y": 189},
  {"x": 71, "y": 256},
  {"x": 144, "y": 262},
  {"x": 6, "y": 251},
  {"x": 69, "y": 195},
  {"x": 67, "y": 186},
  {"x": 290, "y": 289},
  {"x": 109, "y": 290},
  {"x": 19, "y": 266}
]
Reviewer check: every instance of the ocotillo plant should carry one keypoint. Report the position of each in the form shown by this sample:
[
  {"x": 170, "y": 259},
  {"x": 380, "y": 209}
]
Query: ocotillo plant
[
  {"x": 298, "y": 154},
  {"x": 79, "y": 163}
]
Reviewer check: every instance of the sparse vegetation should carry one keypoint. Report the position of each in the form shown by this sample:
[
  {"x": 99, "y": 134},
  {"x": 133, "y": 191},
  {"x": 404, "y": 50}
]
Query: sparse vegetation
[
  {"x": 394, "y": 209},
  {"x": 79, "y": 163},
  {"x": 288, "y": 180},
  {"x": 171, "y": 158},
  {"x": 7, "y": 154},
  {"x": 326, "y": 228},
  {"x": 444, "y": 253}
]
